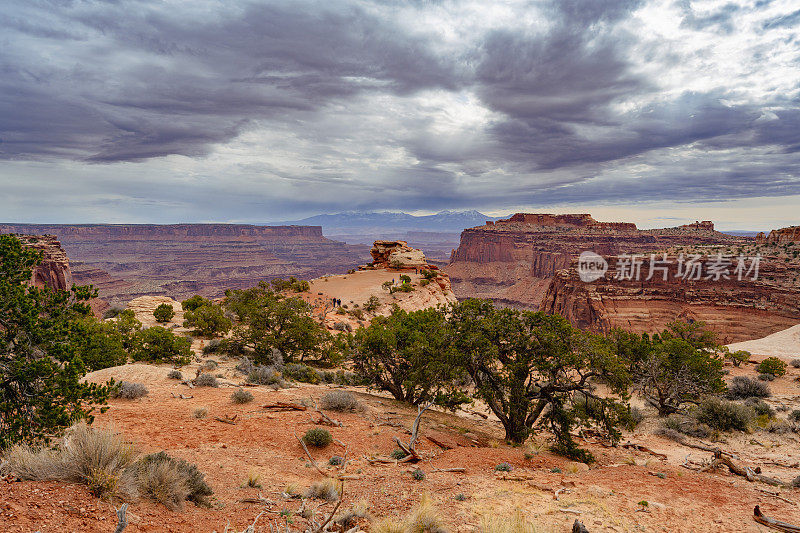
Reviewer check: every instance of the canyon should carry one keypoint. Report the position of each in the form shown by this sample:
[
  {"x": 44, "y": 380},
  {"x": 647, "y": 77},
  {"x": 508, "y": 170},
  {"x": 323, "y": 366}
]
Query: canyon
[
  {"x": 54, "y": 269},
  {"x": 124, "y": 261},
  {"x": 530, "y": 261}
]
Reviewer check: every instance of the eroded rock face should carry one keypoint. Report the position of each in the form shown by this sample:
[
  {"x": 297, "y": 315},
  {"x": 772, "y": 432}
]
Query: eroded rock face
[
  {"x": 512, "y": 261},
  {"x": 783, "y": 236},
  {"x": 396, "y": 254},
  {"x": 54, "y": 270},
  {"x": 734, "y": 309}
]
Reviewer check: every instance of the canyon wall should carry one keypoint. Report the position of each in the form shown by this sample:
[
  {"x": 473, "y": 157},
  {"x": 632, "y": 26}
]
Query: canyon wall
[
  {"x": 125, "y": 261},
  {"x": 54, "y": 270},
  {"x": 782, "y": 236},
  {"x": 736, "y": 309}
]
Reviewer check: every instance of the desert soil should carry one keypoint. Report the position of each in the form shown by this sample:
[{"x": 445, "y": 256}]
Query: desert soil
[{"x": 605, "y": 497}]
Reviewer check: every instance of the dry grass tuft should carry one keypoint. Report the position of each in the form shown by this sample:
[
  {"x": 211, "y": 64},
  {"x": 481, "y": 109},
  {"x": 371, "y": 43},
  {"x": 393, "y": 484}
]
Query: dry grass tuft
[
  {"x": 424, "y": 518},
  {"x": 388, "y": 525},
  {"x": 341, "y": 401},
  {"x": 200, "y": 412},
  {"x": 163, "y": 482},
  {"x": 329, "y": 489},
  {"x": 516, "y": 523}
]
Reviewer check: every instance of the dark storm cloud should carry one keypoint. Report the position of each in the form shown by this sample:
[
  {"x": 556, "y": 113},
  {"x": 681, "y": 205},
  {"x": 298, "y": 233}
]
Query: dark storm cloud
[{"x": 337, "y": 93}]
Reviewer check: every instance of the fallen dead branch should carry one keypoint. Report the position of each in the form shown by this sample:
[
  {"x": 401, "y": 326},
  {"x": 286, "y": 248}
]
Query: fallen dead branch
[
  {"x": 639, "y": 447},
  {"x": 759, "y": 517},
  {"x": 182, "y": 396},
  {"x": 284, "y": 406},
  {"x": 122, "y": 518},
  {"x": 459, "y": 469},
  {"x": 227, "y": 420},
  {"x": 313, "y": 462},
  {"x": 776, "y": 495},
  {"x": 441, "y": 444},
  {"x": 259, "y": 500},
  {"x": 323, "y": 418},
  {"x": 745, "y": 471}
]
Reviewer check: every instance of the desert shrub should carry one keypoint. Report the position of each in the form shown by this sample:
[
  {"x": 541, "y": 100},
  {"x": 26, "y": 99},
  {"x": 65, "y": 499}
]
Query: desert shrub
[
  {"x": 766, "y": 377},
  {"x": 99, "y": 344},
  {"x": 348, "y": 519},
  {"x": 301, "y": 372},
  {"x": 723, "y": 415},
  {"x": 265, "y": 375},
  {"x": 194, "y": 302},
  {"x": 760, "y": 407},
  {"x": 418, "y": 475},
  {"x": 670, "y": 434},
  {"x": 97, "y": 458},
  {"x": 253, "y": 480},
  {"x": 206, "y": 380},
  {"x": 164, "y": 313},
  {"x": 342, "y": 326},
  {"x": 738, "y": 357},
  {"x": 112, "y": 313},
  {"x": 372, "y": 304},
  {"x": 245, "y": 365},
  {"x": 686, "y": 426},
  {"x": 329, "y": 489},
  {"x": 358, "y": 314},
  {"x": 207, "y": 320},
  {"x": 795, "y": 363},
  {"x": 126, "y": 390},
  {"x": 772, "y": 365},
  {"x": 340, "y": 401},
  {"x": 795, "y": 415},
  {"x": 241, "y": 396},
  {"x": 631, "y": 417},
  {"x": 743, "y": 387},
  {"x": 209, "y": 365},
  {"x": 405, "y": 287},
  {"x": 214, "y": 346},
  {"x": 171, "y": 481},
  {"x": 200, "y": 412},
  {"x": 175, "y": 374},
  {"x": 318, "y": 437},
  {"x": 398, "y": 454},
  {"x": 335, "y": 461},
  {"x": 159, "y": 345},
  {"x": 503, "y": 467}
]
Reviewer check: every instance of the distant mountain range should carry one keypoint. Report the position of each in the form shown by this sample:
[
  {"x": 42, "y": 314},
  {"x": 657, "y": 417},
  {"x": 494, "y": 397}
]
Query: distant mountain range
[{"x": 387, "y": 221}]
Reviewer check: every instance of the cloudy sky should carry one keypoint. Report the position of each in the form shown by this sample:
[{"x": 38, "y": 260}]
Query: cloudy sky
[{"x": 203, "y": 110}]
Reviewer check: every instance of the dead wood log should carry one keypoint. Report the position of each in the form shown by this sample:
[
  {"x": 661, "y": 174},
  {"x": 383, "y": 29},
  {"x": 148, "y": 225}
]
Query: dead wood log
[
  {"x": 459, "y": 469},
  {"x": 182, "y": 396},
  {"x": 122, "y": 518},
  {"x": 776, "y": 495},
  {"x": 284, "y": 406},
  {"x": 227, "y": 420},
  {"x": 441, "y": 444},
  {"x": 746, "y": 472},
  {"x": 639, "y": 447},
  {"x": 759, "y": 517},
  {"x": 313, "y": 462}
]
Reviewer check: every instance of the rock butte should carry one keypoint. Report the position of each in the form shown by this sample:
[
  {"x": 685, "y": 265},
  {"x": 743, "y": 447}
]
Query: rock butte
[{"x": 529, "y": 261}]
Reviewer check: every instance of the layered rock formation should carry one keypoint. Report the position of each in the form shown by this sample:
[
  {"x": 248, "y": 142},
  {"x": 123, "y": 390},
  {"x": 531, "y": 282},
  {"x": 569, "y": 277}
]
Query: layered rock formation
[
  {"x": 781, "y": 236},
  {"x": 396, "y": 254},
  {"x": 736, "y": 309},
  {"x": 54, "y": 270},
  {"x": 529, "y": 260},
  {"x": 125, "y": 261}
]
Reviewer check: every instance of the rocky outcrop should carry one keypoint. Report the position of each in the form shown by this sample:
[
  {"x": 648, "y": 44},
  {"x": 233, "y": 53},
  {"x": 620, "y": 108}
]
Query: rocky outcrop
[
  {"x": 513, "y": 261},
  {"x": 736, "y": 309},
  {"x": 125, "y": 261},
  {"x": 783, "y": 236},
  {"x": 53, "y": 271},
  {"x": 396, "y": 254}
]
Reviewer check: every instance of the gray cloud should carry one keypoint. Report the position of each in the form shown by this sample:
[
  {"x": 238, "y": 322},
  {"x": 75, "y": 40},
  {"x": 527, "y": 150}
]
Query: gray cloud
[{"x": 385, "y": 104}]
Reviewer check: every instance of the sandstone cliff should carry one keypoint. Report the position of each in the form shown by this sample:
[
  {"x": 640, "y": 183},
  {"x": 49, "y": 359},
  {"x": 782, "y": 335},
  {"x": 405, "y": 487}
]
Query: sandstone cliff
[
  {"x": 54, "y": 270},
  {"x": 512, "y": 261},
  {"x": 782, "y": 236},
  {"x": 125, "y": 261}
]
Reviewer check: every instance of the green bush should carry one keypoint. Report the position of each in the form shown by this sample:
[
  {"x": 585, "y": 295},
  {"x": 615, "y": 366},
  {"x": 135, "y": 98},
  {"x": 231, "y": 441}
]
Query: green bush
[
  {"x": 99, "y": 344},
  {"x": 206, "y": 380},
  {"x": 723, "y": 415},
  {"x": 372, "y": 304},
  {"x": 772, "y": 365},
  {"x": 503, "y": 467},
  {"x": 318, "y": 437},
  {"x": 194, "y": 302},
  {"x": 164, "y": 313},
  {"x": 301, "y": 372},
  {"x": 129, "y": 391},
  {"x": 398, "y": 454},
  {"x": 207, "y": 320},
  {"x": 159, "y": 345},
  {"x": 418, "y": 475},
  {"x": 686, "y": 426}
]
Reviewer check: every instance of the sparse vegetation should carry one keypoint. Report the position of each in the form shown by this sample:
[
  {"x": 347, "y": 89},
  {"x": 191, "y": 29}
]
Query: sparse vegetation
[
  {"x": 723, "y": 415},
  {"x": 772, "y": 365},
  {"x": 171, "y": 481},
  {"x": 318, "y": 437},
  {"x": 208, "y": 320},
  {"x": 200, "y": 412},
  {"x": 503, "y": 467},
  {"x": 328, "y": 489},
  {"x": 206, "y": 380},
  {"x": 418, "y": 475},
  {"x": 241, "y": 396},
  {"x": 743, "y": 387},
  {"x": 795, "y": 363},
  {"x": 175, "y": 374},
  {"x": 341, "y": 401},
  {"x": 195, "y": 302},
  {"x": 163, "y": 313},
  {"x": 126, "y": 390},
  {"x": 335, "y": 461},
  {"x": 159, "y": 345},
  {"x": 301, "y": 372}
]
